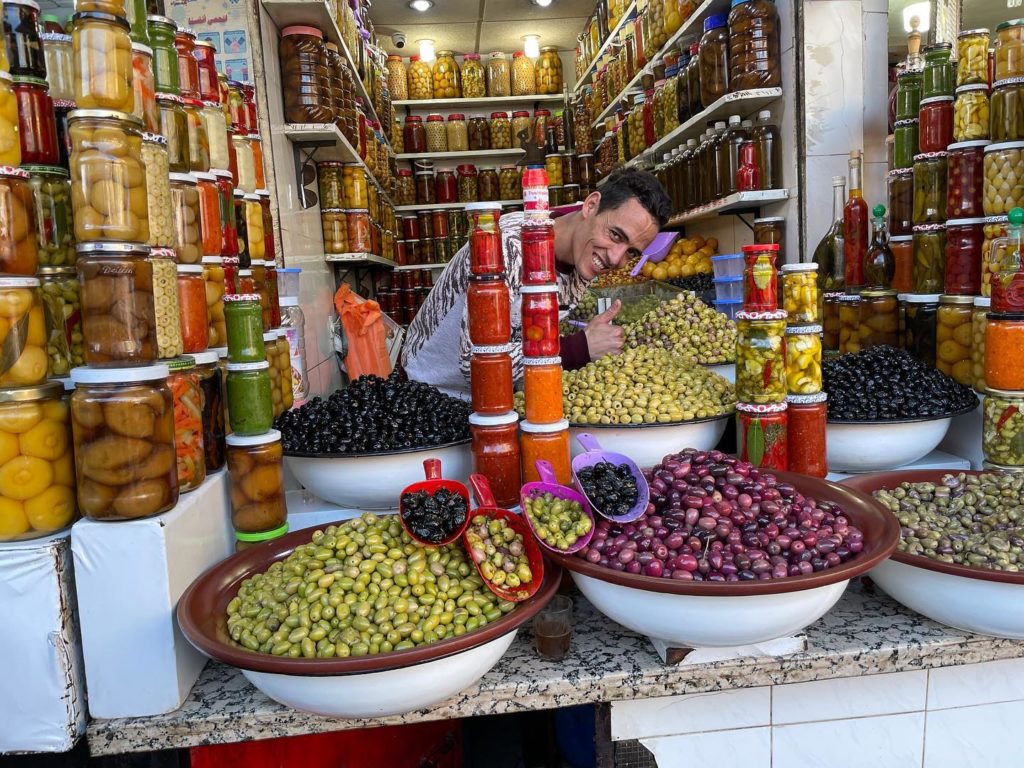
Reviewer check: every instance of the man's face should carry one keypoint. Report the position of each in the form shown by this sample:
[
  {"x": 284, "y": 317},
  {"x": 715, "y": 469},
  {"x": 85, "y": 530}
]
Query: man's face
[{"x": 612, "y": 236}]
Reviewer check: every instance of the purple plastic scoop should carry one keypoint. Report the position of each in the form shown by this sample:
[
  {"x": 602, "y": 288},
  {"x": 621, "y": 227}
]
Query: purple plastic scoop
[
  {"x": 549, "y": 484},
  {"x": 656, "y": 251},
  {"x": 594, "y": 454}
]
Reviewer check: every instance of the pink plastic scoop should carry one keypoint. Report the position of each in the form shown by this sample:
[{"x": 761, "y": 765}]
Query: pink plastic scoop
[
  {"x": 594, "y": 454},
  {"x": 549, "y": 484}
]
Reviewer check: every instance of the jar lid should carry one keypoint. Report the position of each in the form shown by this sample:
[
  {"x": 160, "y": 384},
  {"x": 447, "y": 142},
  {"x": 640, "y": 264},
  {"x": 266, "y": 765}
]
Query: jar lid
[
  {"x": 804, "y": 266},
  {"x": 929, "y": 228},
  {"x": 183, "y": 178},
  {"x": 38, "y": 82},
  {"x": 761, "y": 407},
  {"x": 190, "y": 269},
  {"x": 289, "y": 301},
  {"x": 480, "y": 420},
  {"x": 1004, "y": 145},
  {"x": 901, "y": 238},
  {"x": 542, "y": 429},
  {"x": 205, "y": 44},
  {"x": 155, "y": 19},
  {"x": 67, "y": 104},
  {"x": 84, "y": 375},
  {"x": 499, "y": 115},
  {"x": 180, "y": 363},
  {"x": 251, "y": 197},
  {"x": 964, "y": 222},
  {"x": 260, "y": 366},
  {"x": 493, "y": 349},
  {"x": 929, "y": 156},
  {"x": 51, "y": 170},
  {"x": 139, "y": 48},
  {"x": 849, "y": 298},
  {"x": 162, "y": 253},
  {"x": 222, "y": 352},
  {"x": 270, "y": 436},
  {"x": 758, "y": 247},
  {"x": 835, "y": 294},
  {"x": 270, "y": 336},
  {"x": 921, "y": 298},
  {"x": 154, "y": 138},
  {"x": 456, "y": 116},
  {"x": 60, "y": 37},
  {"x": 58, "y": 271},
  {"x": 521, "y": 113},
  {"x": 1003, "y": 219},
  {"x": 906, "y": 123},
  {"x": 813, "y": 328},
  {"x": 877, "y": 293},
  {"x": 539, "y": 289},
  {"x": 212, "y": 260},
  {"x": 817, "y": 397},
  {"x": 542, "y": 361},
  {"x": 983, "y": 301},
  {"x": 968, "y": 144},
  {"x": 112, "y": 249},
  {"x": 171, "y": 97},
  {"x": 967, "y": 88},
  {"x": 19, "y": 282},
  {"x": 778, "y": 314},
  {"x": 971, "y": 32},
  {"x": 109, "y": 18},
  {"x": 242, "y": 296},
  {"x": 301, "y": 30},
  {"x": 486, "y": 206},
  {"x": 434, "y": 118},
  {"x": 1008, "y": 81},
  {"x": 26, "y": 3},
  {"x": 1004, "y": 25},
  {"x": 953, "y": 298},
  {"x": 1007, "y": 316},
  {"x": 769, "y": 219},
  {"x": 203, "y": 176},
  {"x": 899, "y": 173},
  {"x": 49, "y": 389},
  {"x": 935, "y": 100}
]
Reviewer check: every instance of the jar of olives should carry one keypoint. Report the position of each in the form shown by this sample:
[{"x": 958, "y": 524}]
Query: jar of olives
[
  {"x": 761, "y": 365},
  {"x": 436, "y": 134},
  {"x": 553, "y": 165},
  {"x": 508, "y": 183},
  {"x": 397, "y": 83},
  {"x": 921, "y": 313},
  {"x": 474, "y": 85},
  {"x": 830, "y": 321},
  {"x": 51, "y": 204},
  {"x": 499, "y": 75},
  {"x": 487, "y": 185},
  {"x": 329, "y": 182},
  {"x": 1006, "y": 113},
  {"x": 446, "y": 76},
  {"x": 930, "y": 178},
  {"x": 405, "y": 188},
  {"x": 879, "y": 319},
  {"x": 457, "y": 133},
  {"x": 1009, "y": 50},
  {"x": 524, "y": 82},
  {"x": 1003, "y": 189},
  {"x": 421, "y": 81},
  {"x": 479, "y": 132},
  {"x": 501, "y": 131}
]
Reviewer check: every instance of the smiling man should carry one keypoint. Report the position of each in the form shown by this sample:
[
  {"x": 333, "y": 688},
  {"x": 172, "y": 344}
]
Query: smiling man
[{"x": 614, "y": 224}]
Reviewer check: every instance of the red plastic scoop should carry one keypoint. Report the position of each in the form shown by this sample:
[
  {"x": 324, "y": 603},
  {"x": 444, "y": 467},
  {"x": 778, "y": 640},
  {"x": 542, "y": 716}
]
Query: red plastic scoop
[
  {"x": 489, "y": 509},
  {"x": 549, "y": 484},
  {"x": 434, "y": 483}
]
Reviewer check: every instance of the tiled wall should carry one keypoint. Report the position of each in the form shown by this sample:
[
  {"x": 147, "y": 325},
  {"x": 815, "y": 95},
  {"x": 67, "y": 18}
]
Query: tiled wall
[{"x": 952, "y": 717}]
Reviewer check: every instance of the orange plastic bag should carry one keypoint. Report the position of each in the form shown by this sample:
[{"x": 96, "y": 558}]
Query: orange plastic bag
[{"x": 363, "y": 323}]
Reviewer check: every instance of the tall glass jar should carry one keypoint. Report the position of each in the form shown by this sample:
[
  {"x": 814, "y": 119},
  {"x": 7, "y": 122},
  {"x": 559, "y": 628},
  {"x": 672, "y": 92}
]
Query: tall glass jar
[
  {"x": 10, "y": 142},
  {"x": 879, "y": 319},
  {"x": 193, "y": 313},
  {"x": 457, "y": 135},
  {"x": 21, "y": 31},
  {"x": 51, "y": 205},
  {"x": 256, "y": 146},
  {"x": 305, "y": 77},
  {"x": 754, "y": 60},
  {"x": 921, "y": 312},
  {"x": 929, "y": 258},
  {"x": 144, "y": 87},
  {"x": 972, "y": 57},
  {"x": 1009, "y": 50},
  {"x": 62, "y": 292},
  {"x": 549, "y": 71},
  {"x": 225, "y": 195},
  {"x": 447, "y": 81},
  {"x": 421, "y": 82},
  {"x": 953, "y": 337},
  {"x": 59, "y": 54},
  {"x": 761, "y": 366},
  {"x": 909, "y": 85},
  {"x": 169, "y": 308},
  {"x": 1006, "y": 110},
  {"x": 37, "y": 128},
  {"x": 474, "y": 84},
  {"x": 901, "y": 201},
  {"x": 965, "y": 182},
  {"x": 524, "y": 80},
  {"x": 397, "y": 83},
  {"x": 188, "y": 67},
  {"x": 714, "y": 60},
  {"x": 930, "y": 192},
  {"x": 479, "y": 131},
  {"x": 501, "y": 131},
  {"x": 103, "y": 73},
  {"x": 938, "y": 70},
  {"x": 165, "y": 57},
  {"x": 216, "y": 134},
  {"x": 245, "y": 164},
  {"x": 499, "y": 75},
  {"x": 436, "y": 134},
  {"x": 198, "y": 141},
  {"x": 158, "y": 191},
  {"x": 174, "y": 128}
]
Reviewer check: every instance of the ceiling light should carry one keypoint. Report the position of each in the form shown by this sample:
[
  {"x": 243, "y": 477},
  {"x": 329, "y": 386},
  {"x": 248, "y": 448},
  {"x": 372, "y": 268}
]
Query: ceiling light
[
  {"x": 541, "y": 3},
  {"x": 421, "y": 5},
  {"x": 531, "y": 46},
  {"x": 923, "y": 13},
  {"x": 426, "y": 50}
]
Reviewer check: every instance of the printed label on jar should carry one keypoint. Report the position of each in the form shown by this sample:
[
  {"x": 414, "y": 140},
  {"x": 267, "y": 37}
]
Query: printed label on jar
[
  {"x": 535, "y": 199},
  {"x": 116, "y": 269}
]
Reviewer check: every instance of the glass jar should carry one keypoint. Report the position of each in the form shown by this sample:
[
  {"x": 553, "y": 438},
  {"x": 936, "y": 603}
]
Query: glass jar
[
  {"x": 879, "y": 319},
  {"x": 979, "y": 321},
  {"x": 761, "y": 278},
  {"x": 250, "y": 409},
  {"x": 158, "y": 191},
  {"x": 938, "y": 70},
  {"x": 542, "y": 383},
  {"x": 62, "y": 296},
  {"x": 524, "y": 80},
  {"x": 714, "y": 60},
  {"x": 1009, "y": 50},
  {"x": 405, "y": 188},
  {"x": 803, "y": 358},
  {"x": 447, "y": 80},
  {"x": 168, "y": 311},
  {"x": 108, "y": 182},
  {"x": 849, "y": 324},
  {"x": 397, "y": 83},
  {"x": 144, "y": 88},
  {"x": 964, "y": 238},
  {"x": 921, "y": 321},
  {"x": 971, "y": 113},
  {"x": 553, "y": 166},
  {"x": 521, "y": 122},
  {"x": 902, "y": 247},
  {"x": 420, "y": 80},
  {"x": 276, "y": 374},
  {"x": 19, "y": 250},
  {"x": 545, "y": 442},
  {"x": 198, "y": 141},
  {"x": 174, "y": 128},
  {"x": 165, "y": 57},
  {"x": 24, "y": 49},
  {"x": 992, "y": 250},
  {"x": 259, "y": 281},
  {"x": 830, "y": 322},
  {"x": 358, "y": 230},
  {"x": 216, "y": 134},
  {"x": 193, "y": 311},
  {"x": 414, "y": 136},
  {"x": 549, "y": 71},
  {"x": 908, "y": 94},
  {"x": 499, "y": 75},
  {"x": 216, "y": 280},
  {"x": 59, "y": 55},
  {"x": 474, "y": 85},
  {"x": 37, "y": 129},
  {"x": 209, "y": 214},
  {"x": 490, "y": 376},
  {"x": 487, "y": 185},
  {"x": 900, "y": 184},
  {"x": 188, "y": 423},
  {"x": 500, "y": 131},
  {"x": 906, "y": 140},
  {"x": 800, "y": 292},
  {"x": 256, "y": 145},
  {"x": 468, "y": 192},
  {"x": 479, "y": 133},
  {"x": 1006, "y": 110},
  {"x": 123, "y": 426},
  {"x": 936, "y": 124},
  {"x": 10, "y": 142},
  {"x": 244, "y": 326},
  {"x": 1002, "y": 427},
  {"x": 761, "y": 367},
  {"x": 103, "y": 49},
  {"x": 445, "y": 186},
  {"x": 212, "y": 387},
  {"x": 25, "y": 343},
  {"x": 508, "y": 183},
  {"x": 356, "y": 189},
  {"x": 436, "y": 134},
  {"x": 540, "y": 321},
  {"x": 754, "y": 53},
  {"x": 485, "y": 255},
  {"x": 335, "y": 230},
  {"x": 953, "y": 338},
  {"x": 762, "y": 434},
  {"x": 188, "y": 235},
  {"x": 188, "y": 67},
  {"x": 1004, "y": 349},
  {"x": 488, "y": 302},
  {"x": 972, "y": 57},
  {"x": 256, "y": 475},
  {"x": 929, "y": 258},
  {"x": 226, "y": 201},
  {"x": 245, "y": 164},
  {"x": 456, "y": 133},
  {"x": 496, "y": 455},
  {"x": 538, "y": 245},
  {"x": 965, "y": 183},
  {"x": 425, "y": 188},
  {"x": 1004, "y": 182},
  {"x": 930, "y": 195},
  {"x": 807, "y": 417}
]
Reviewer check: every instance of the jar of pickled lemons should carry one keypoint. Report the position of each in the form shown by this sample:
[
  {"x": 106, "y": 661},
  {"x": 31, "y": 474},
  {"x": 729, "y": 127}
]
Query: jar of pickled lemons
[
  {"x": 421, "y": 81},
  {"x": 549, "y": 71},
  {"x": 103, "y": 50},
  {"x": 10, "y": 144},
  {"x": 23, "y": 340},
  {"x": 447, "y": 81}
]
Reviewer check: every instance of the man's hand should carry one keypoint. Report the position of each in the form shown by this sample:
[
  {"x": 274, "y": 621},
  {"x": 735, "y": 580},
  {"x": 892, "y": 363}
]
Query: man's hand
[{"x": 604, "y": 338}]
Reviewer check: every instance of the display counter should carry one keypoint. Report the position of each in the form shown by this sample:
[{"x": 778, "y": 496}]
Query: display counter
[{"x": 866, "y": 633}]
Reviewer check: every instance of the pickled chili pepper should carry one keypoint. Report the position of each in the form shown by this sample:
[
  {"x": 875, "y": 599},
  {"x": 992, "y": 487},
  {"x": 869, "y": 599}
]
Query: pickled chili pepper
[{"x": 1008, "y": 414}]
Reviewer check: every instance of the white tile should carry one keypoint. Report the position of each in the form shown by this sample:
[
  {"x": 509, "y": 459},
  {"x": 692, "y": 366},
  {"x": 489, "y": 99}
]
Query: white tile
[
  {"x": 875, "y": 191},
  {"x": 989, "y": 736},
  {"x": 892, "y": 741},
  {"x": 970, "y": 684},
  {"x": 833, "y": 76},
  {"x": 875, "y": 6},
  {"x": 670, "y": 715},
  {"x": 749, "y": 747},
  {"x": 819, "y": 171},
  {"x": 849, "y": 697},
  {"x": 876, "y": 85}
]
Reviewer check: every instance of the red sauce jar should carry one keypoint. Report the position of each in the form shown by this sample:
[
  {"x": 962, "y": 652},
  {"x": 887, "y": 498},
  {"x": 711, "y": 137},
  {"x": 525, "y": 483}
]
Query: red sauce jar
[
  {"x": 805, "y": 434},
  {"x": 761, "y": 434},
  {"x": 410, "y": 227},
  {"x": 440, "y": 223},
  {"x": 548, "y": 442},
  {"x": 936, "y": 128},
  {"x": 964, "y": 238},
  {"x": 188, "y": 67},
  {"x": 485, "y": 257},
  {"x": 414, "y": 136},
  {"x": 37, "y": 128},
  {"x": 496, "y": 455},
  {"x": 761, "y": 293},
  {"x": 965, "y": 179},
  {"x": 490, "y": 379},
  {"x": 206, "y": 63},
  {"x": 488, "y": 303},
  {"x": 539, "y": 253},
  {"x": 446, "y": 187},
  {"x": 540, "y": 321}
]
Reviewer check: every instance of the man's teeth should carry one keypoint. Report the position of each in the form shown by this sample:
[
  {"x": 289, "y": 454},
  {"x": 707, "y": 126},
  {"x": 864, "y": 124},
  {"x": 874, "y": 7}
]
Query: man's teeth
[{"x": 598, "y": 264}]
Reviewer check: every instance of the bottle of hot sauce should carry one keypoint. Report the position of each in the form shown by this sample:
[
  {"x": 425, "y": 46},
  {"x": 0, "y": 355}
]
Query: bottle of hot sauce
[{"x": 855, "y": 227}]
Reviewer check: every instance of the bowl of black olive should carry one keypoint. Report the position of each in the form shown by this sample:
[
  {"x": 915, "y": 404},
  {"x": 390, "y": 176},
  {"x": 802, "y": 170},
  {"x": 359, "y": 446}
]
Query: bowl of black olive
[
  {"x": 359, "y": 447},
  {"x": 888, "y": 409}
]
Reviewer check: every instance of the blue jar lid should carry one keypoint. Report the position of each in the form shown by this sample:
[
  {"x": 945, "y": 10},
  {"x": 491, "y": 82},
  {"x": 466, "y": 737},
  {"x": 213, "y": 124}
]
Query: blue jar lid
[{"x": 713, "y": 22}]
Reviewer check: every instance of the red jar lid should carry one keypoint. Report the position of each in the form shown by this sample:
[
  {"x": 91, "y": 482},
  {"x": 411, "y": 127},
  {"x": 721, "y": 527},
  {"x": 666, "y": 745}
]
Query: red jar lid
[
  {"x": 456, "y": 116},
  {"x": 541, "y": 113},
  {"x": 405, "y": 172},
  {"x": 499, "y": 115},
  {"x": 471, "y": 57},
  {"x": 300, "y": 30},
  {"x": 466, "y": 169},
  {"x": 414, "y": 119},
  {"x": 435, "y": 118},
  {"x": 520, "y": 113}
]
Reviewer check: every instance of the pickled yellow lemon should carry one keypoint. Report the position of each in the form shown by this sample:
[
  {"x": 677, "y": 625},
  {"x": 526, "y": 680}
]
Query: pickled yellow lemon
[
  {"x": 29, "y": 368},
  {"x": 46, "y": 440},
  {"x": 14, "y": 302},
  {"x": 25, "y": 477},
  {"x": 52, "y": 509},
  {"x": 56, "y": 410},
  {"x": 64, "y": 470},
  {"x": 8, "y": 447},
  {"x": 36, "y": 327},
  {"x": 13, "y": 521},
  {"x": 19, "y": 417}
]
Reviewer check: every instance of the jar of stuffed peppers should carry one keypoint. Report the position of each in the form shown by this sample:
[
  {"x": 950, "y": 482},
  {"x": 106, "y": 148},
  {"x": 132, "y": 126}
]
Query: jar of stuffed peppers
[
  {"x": 929, "y": 258},
  {"x": 921, "y": 323},
  {"x": 188, "y": 423},
  {"x": 1006, "y": 110},
  {"x": 964, "y": 238},
  {"x": 761, "y": 362},
  {"x": 761, "y": 279},
  {"x": 762, "y": 434},
  {"x": 879, "y": 319},
  {"x": 930, "y": 178},
  {"x": 1003, "y": 189},
  {"x": 104, "y": 42},
  {"x": 906, "y": 140},
  {"x": 37, "y": 129},
  {"x": 193, "y": 310}
]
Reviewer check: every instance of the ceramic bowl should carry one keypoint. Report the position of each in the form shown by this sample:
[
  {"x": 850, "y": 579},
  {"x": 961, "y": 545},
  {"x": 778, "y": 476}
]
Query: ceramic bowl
[
  {"x": 873, "y": 446},
  {"x": 648, "y": 444}
]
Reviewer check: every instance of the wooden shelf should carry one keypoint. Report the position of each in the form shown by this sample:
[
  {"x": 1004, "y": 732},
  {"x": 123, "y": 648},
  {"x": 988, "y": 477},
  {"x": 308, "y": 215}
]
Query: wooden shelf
[
  {"x": 740, "y": 202},
  {"x": 357, "y": 259},
  {"x": 588, "y": 73},
  {"x": 486, "y": 101},
  {"x": 410, "y": 267},
  {"x": 449, "y": 206},
  {"x": 479, "y": 154},
  {"x": 330, "y": 144}
]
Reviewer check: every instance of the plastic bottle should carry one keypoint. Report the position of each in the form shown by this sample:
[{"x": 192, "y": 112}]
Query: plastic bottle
[{"x": 294, "y": 321}]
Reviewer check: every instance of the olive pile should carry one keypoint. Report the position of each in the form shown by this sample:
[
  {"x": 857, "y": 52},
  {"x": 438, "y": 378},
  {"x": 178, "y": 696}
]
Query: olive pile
[
  {"x": 688, "y": 327},
  {"x": 643, "y": 385},
  {"x": 973, "y": 520},
  {"x": 434, "y": 517},
  {"x": 363, "y": 587},
  {"x": 884, "y": 383},
  {"x": 559, "y": 523},
  {"x": 611, "y": 488},
  {"x": 702, "y": 281},
  {"x": 374, "y": 414},
  {"x": 499, "y": 551}
]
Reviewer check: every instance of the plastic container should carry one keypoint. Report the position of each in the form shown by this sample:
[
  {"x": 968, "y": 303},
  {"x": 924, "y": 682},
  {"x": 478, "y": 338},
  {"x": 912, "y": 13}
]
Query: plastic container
[
  {"x": 727, "y": 265},
  {"x": 728, "y": 289},
  {"x": 729, "y": 308}
]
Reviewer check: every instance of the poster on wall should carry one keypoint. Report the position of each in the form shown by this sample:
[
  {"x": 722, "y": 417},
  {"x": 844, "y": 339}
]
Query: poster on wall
[{"x": 223, "y": 23}]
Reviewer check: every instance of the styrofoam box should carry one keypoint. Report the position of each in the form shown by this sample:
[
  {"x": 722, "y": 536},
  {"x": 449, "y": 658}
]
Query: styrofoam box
[
  {"x": 42, "y": 686},
  {"x": 934, "y": 460},
  {"x": 129, "y": 576}
]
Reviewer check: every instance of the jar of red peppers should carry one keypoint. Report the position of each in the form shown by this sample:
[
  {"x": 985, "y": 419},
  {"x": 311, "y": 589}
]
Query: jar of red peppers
[
  {"x": 964, "y": 238},
  {"x": 485, "y": 256},
  {"x": 488, "y": 305},
  {"x": 445, "y": 186},
  {"x": 965, "y": 179},
  {"x": 490, "y": 377},
  {"x": 540, "y": 321},
  {"x": 936, "y": 128},
  {"x": 902, "y": 247},
  {"x": 762, "y": 434},
  {"x": 761, "y": 278},
  {"x": 807, "y": 417},
  {"x": 37, "y": 129},
  {"x": 414, "y": 135},
  {"x": 496, "y": 454},
  {"x": 192, "y": 309},
  {"x": 538, "y": 243},
  {"x": 188, "y": 67}
]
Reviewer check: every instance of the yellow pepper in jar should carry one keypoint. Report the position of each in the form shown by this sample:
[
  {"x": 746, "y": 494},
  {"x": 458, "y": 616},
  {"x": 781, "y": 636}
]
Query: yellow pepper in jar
[
  {"x": 800, "y": 292},
  {"x": 803, "y": 359},
  {"x": 760, "y": 357}
]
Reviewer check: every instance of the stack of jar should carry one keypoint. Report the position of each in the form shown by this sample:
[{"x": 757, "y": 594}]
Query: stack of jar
[
  {"x": 447, "y": 80},
  {"x": 403, "y": 298},
  {"x": 493, "y": 422},
  {"x": 354, "y": 216}
]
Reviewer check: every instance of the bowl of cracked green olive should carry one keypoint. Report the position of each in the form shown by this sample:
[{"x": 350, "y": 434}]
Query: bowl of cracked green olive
[
  {"x": 332, "y": 621},
  {"x": 960, "y": 560}
]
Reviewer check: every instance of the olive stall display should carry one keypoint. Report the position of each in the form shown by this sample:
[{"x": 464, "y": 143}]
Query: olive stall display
[
  {"x": 688, "y": 327},
  {"x": 611, "y": 488},
  {"x": 557, "y": 522}
]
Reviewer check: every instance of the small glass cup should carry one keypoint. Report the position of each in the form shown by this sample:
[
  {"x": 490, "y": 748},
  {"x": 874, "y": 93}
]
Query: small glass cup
[{"x": 552, "y": 629}]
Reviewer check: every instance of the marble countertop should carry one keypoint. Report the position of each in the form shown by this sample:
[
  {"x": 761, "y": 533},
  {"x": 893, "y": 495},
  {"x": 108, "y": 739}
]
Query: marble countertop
[{"x": 865, "y": 633}]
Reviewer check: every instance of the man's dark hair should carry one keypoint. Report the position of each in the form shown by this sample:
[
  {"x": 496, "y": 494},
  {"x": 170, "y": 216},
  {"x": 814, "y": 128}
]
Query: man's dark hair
[{"x": 628, "y": 183}]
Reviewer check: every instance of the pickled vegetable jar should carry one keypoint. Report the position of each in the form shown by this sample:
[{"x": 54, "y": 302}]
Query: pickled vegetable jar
[
  {"x": 930, "y": 195},
  {"x": 953, "y": 338},
  {"x": 906, "y": 141},
  {"x": 1009, "y": 50},
  {"x": 144, "y": 88},
  {"x": 490, "y": 376},
  {"x": 1002, "y": 432},
  {"x": 538, "y": 244},
  {"x": 158, "y": 191},
  {"x": 936, "y": 124},
  {"x": 540, "y": 321},
  {"x": 188, "y": 67},
  {"x": 929, "y": 258},
  {"x": 174, "y": 128},
  {"x": 37, "y": 129},
  {"x": 879, "y": 319},
  {"x": 938, "y": 70},
  {"x": 499, "y": 75},
  {"x": 193, "y": 313},
  {"x": 830, "y": 321},
  {"x": 761, "y": 434},
  {"x": 188, "y": 423},
  {"x": 754, "y": 53},
  {"x": 355, "y": 187},
  {"x": 807, "y": 416},
  {"x": 188, "y": 234},
  {"x": 244, "y": 318},
  {"x": 216, "y": 280},
  {"x": 1004, "y": 352},
  {"x": 245, "y": 164},
  {"x": 474, "y": 85},
  {"x": 62, "y": 297},
  {"x": 965, "y": 181},
  {"x": 1004, "y": 178},
  {"x": 479, "y": 133},
  {"x": 549, "y": 71},
  {"x": 198, "y": 141},
  {"x": 167, "y": 307},
  {"x": 216, "y": 135},
  {"x": 971, "y": 113},
  {"x": 800, "y": 292},
  {"x": 488, "y": 308},
  {"x": 250, "y": 403},
  {"x": 436, "y": 134},
  {"x": 414, "y": 136},
  {"x": 397, "y": 83},
  {"x": 761, "y": 358},
  {"x": 972, "y": 57},
  {"x": 803, "y": 359},
  {"x": 900, "y": 184},
  {"x": 761, "y": 278},
  {"x": 123, "y": 426},
  {"x": 209, "y": 214},
  {"x": 524, "y": 79},
  {"x": 496, "y": 454},
  {"x": 24, "y": 50},
  {"x": 545, "y": 442},
  {"x": 964, "y": 238},
  {"x": 714, "y": 60},
  {"x": 24, "y": 354},
  {"x": 501, "y": 131},
  {"x": 921, "y": 321},
  {"x": 165, "y": 57},
  {"x": 447, "y": 79},
  {"x": 909, "y": 85},
  {"x": 103, "y": 62},
  {"x": 10, "y": 142},
  {"x": 542, "y": 383},
  {"x": 979, "y": 321},
  {"x": 19, "y": 251},
  {"x": 849, "y": 324},
  {"x": 1006, "y": 110},
  {"x": 420, "y": 79},
  {"x": 456, "y": 133},
  {"x": 902, "y": 247},
  {"x": 256, "y": 475},
  {"x": 59, "y": 56},
  {"x": 468, "y": 187}
]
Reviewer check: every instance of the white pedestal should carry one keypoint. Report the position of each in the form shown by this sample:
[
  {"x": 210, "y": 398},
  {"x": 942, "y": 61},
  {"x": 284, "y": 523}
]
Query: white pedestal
[
  {"x": 308, "y": 511},
  {"x": 42, "y": 686},
  {"x": 935, "y": 460},
  {"x": 129, "y": 577},
  {"x": 781, "y": 646}
]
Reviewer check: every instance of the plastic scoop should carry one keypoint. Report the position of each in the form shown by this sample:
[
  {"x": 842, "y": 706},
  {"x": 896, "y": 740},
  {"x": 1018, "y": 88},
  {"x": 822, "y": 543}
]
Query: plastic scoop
[
  {"x": 656, "y": 251},
  {"x": 549, "y": 484},
  {"x": 595, "y": 455},
  {"x": 489, "y": 509},
  {"x": 434, "y": 483}
]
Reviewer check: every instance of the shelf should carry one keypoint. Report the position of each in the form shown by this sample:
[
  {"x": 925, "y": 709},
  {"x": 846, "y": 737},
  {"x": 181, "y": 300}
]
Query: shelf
[
  {"x": 693, "y": 26},
  {"x": 486, "y": 101},
  {"x": 449, "y": 206},
  {"x": 357, "y": 259},
  {"x": 468, "y": 155},
  {"x": 739, "y": 202},
  {"x": 410, "y": 267},
  {"x": 743, "y": 103},
  {"x": 316, "y": 13},
  {"x": 329, "y": 143},
  {"x": 588, "y": 73}
]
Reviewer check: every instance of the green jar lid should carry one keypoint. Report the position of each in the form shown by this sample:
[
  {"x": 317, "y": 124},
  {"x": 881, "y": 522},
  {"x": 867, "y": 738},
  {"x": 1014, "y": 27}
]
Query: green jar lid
[
  {"x": 50, "y": 170},
  {"x": 255, "y": 538},
  {"x": 182, "y": 363}
]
